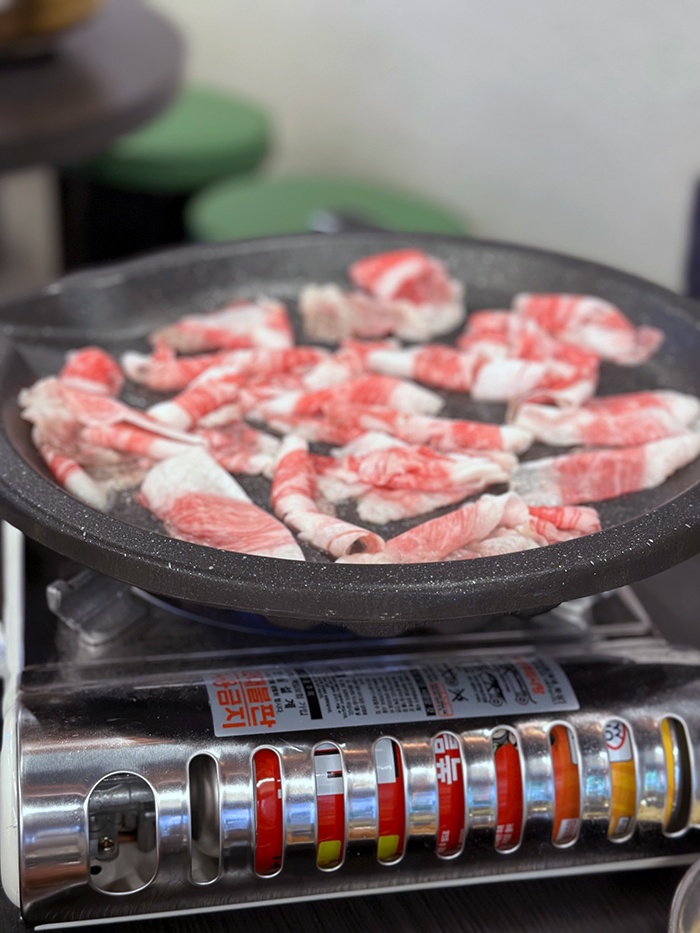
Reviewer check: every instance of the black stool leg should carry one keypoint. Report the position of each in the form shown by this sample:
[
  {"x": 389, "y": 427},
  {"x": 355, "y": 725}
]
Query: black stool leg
[
  {"x": 693, "y": 264},
  {"x": 74, "y": 195},
  {"x": 102, "y": 224}
]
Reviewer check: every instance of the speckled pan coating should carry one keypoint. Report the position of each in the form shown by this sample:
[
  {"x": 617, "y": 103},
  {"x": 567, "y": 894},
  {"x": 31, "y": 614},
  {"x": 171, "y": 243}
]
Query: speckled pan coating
[{"x": 643, "y": 533}]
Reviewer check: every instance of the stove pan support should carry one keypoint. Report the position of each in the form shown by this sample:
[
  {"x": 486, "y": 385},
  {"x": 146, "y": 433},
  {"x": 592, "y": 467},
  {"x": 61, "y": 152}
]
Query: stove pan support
[{"x": 95, "y": 606}]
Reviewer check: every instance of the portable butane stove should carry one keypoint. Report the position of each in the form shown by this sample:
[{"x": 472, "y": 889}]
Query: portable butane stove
[
  {"x": 164, "y": 757},
  {"x": 161, "y": 756}
]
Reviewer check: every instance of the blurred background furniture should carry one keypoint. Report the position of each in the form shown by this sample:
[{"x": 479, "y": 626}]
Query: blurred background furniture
[
  {"x": 106, "y": 77},
  {"x": 132, "y": 197},
  {"x": 102, "y": 79},
  {"x": 28, "y": 28},
  {"x": 235, "y": 210},
  {"x": 693, "y": 257}
]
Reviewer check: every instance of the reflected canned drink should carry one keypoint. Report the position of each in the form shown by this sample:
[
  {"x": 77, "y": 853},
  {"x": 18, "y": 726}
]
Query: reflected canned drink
[
  {"x": 269, "y": 822},
  {"x": 678, "y": 776},
  {"x": 567, "y": 787},
  {"x": 509, "y": 781},
  {"x": 669, "y": 738},
  {"x": 451, "y": 782},
  {"x": 623, "y": 779},
  {"x": 330, "y": 805},
  {"x": 388, "y": 764},
  {"x": 451, "y": 803}
]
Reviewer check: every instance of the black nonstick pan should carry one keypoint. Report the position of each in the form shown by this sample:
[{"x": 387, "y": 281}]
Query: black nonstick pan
[{"x": 643, "y": 533}]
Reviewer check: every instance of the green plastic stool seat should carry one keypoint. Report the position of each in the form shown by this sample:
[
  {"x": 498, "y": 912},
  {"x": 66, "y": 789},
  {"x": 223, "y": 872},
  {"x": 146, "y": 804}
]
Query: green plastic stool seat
[
  {"x": 204, "y": 136},
  {"x": 234, "y": 209}
]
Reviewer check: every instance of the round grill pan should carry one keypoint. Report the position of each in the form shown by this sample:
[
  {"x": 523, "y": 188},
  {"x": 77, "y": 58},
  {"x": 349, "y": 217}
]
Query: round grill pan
[{"x": 643, "y": 533}]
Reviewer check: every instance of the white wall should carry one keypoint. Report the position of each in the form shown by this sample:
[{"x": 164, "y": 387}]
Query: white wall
[{"x": 569, "y": 125}]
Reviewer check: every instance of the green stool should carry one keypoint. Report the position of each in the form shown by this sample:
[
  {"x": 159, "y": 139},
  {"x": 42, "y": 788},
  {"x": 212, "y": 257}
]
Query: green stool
[
  {"x": 233, "y": 209},
  {"x": 132, "y": 197}
]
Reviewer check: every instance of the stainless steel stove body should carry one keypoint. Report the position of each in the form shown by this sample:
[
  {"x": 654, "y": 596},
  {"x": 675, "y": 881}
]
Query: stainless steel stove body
[{"x": 119, "y": 800}]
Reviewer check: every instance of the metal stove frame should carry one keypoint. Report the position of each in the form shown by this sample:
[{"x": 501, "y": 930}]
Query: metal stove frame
[{"x": 55, "y": 736}]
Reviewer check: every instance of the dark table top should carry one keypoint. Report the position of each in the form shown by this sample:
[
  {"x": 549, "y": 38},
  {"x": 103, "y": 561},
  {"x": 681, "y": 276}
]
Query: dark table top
[
  {"x": 624, "y": 903},
  {"x": 106, "y": 77},
  {"x": 614, "y": 902}
]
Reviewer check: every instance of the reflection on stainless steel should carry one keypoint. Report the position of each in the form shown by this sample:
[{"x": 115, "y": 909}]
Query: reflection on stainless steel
[{"x": 677, "y": 764}]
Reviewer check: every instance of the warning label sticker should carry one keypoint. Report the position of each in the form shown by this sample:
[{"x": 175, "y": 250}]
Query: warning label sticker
[
  {"x": 617, "y": 738},
  {"x": 322, "y": 695}
]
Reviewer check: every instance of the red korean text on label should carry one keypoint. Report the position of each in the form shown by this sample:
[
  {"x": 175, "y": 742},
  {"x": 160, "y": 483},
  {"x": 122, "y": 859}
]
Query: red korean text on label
[
  {"x": 244, "y": 700},
  {"x": 448, "y": 761},
  {"x": 441, "y": 699}
]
